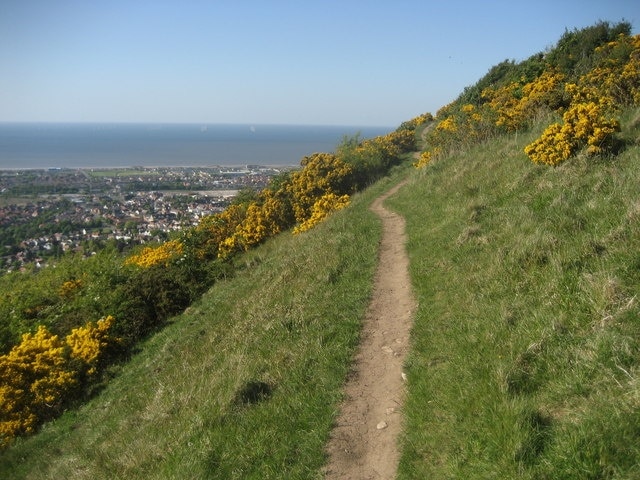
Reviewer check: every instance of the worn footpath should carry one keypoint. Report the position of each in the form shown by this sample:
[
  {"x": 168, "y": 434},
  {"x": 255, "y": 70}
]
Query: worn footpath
[{"x": 363, "y": 444}]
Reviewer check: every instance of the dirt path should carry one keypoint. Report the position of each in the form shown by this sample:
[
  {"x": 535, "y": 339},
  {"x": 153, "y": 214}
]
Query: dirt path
[{"x": 363, "y": 444}]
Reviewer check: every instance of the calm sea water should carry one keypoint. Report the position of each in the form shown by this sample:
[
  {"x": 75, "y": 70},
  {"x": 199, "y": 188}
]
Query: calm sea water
[{"x": 33, "y": 145}]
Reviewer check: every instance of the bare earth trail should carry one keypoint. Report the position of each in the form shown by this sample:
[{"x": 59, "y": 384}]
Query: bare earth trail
[{"x": 363, "y": 444}]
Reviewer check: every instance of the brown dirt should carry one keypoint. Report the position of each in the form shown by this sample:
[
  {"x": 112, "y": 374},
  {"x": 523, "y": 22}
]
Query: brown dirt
[{"x": 363, "y": 444}]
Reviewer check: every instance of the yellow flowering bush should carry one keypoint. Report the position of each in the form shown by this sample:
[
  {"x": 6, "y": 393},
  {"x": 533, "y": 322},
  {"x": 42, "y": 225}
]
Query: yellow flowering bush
[
  {"x": 89, "y": 343},
  {"x": 264, "y": 218},
  {"x": 505, "y": 102},
  {"x": 423, "y": 160},
  {"x": 304, "y": 198},
  {"x": 322, "y": 173},
  {"x": 204, "y": 241},
  {"x": 325, "y": 205},
  {"x": 588, "y": 120},
  {"x": 385, "y": 149},
  {"x": 416, "y": 122},
  {"x": 241, "y": 227},
  {"x": 587, "y": 92},
  {"x": 397, "y": 142},
  {"x": 70, "y": 288},
  {"x": 256, "y": 225},
  {"x": 150, "y": 256},
  {"x": 448, "y": 125},
  {"x": 34, "y": 378},
  {"x": 617, "y": 74},
  {"x": 517, "y": 103},
  {"x": 554, "y": 146},
  {"x": 586, "y": 123},
  {"x": 41, "y": 373},
  {"x": 372, "y": 158},
  {"x": 460, "y": 126},
  {"x": 589, "y": 124}
]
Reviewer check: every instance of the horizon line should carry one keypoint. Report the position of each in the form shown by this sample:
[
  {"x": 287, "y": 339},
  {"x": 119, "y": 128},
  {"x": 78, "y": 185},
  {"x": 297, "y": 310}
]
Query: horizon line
[{"x": 155, "y": 122}]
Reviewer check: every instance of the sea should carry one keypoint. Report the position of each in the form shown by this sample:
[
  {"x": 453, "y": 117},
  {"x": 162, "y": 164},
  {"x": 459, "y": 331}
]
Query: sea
[{"x": 92, "y": 145}]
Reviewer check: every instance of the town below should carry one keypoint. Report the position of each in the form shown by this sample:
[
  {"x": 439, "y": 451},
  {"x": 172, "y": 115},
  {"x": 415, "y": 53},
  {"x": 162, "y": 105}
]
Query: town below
[{"x": 47, "y": 213}]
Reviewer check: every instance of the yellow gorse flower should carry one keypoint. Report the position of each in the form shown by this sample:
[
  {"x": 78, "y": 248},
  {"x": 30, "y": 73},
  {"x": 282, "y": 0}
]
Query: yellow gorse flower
[
  {"x": 70, "y": 288},
  {"x": 447, "y": 125},
  {"x": 323, "y": 173},
  {"x": 40, "y": 373},
  {"x": 323, "y": 207},
  {"x": 163, "y": 254},
  {"x": 588, "y": 121},
  {"x": 423, "y": 160},
  {"x": 89, "y": 342}
]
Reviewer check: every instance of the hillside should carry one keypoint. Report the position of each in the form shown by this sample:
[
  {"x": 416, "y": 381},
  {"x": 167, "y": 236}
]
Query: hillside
[
  {"x": 525, "y": 347},
  {"x": 523, "y": 240},
  {"x": 244, "y": 384},
  {"x": 526, "y": 343}
]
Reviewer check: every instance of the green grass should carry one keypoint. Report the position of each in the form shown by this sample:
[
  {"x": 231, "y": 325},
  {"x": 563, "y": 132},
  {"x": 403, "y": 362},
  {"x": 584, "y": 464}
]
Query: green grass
[
  {"x": 525, "y": 349},
  {"x": 244, "y": 384},
  {"x": 526, "y": 344}
]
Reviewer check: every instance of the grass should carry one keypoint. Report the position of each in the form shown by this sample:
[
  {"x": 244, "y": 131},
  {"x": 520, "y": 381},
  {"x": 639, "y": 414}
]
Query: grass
[
  {"x": 244, "y": 384},
  {"x": 526, "y": 344},
  {"x": 525, "y": 352}
]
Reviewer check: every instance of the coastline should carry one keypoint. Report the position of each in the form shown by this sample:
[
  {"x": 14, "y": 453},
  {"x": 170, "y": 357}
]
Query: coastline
[{"x": 43, "y": 146}]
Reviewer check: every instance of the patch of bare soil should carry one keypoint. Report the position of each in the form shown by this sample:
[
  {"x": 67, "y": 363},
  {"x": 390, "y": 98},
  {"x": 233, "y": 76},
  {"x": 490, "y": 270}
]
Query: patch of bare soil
[{"x": 363, "y": 444}]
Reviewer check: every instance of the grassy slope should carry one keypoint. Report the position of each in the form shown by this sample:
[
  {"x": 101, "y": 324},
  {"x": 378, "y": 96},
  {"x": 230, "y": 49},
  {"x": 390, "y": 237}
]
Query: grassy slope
[
  {"x": 243, "y": 385},
  {"x": 526, "y": 345}
]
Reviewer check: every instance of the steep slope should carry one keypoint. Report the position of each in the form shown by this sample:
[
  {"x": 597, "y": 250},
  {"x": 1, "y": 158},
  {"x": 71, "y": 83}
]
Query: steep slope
[
  {"x": 526, "y": 344},
  {"x": 525, "y": 350},
  {"x": 245, "y": 384}
]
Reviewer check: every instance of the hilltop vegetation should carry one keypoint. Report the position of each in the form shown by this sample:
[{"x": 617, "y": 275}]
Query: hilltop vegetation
[
  {"x": 527, "y": 341},
  {"x": 523, "y": 219},
  {"x": 581, "y": 85}
]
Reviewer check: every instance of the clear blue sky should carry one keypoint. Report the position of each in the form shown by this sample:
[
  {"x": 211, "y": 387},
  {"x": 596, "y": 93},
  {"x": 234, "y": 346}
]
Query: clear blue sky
[{"x": 328, "y": 62}]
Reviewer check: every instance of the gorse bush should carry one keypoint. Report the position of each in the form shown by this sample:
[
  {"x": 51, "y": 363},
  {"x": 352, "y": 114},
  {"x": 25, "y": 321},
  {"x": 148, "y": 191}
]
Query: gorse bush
[
  {"x": 161, "y": 254},
  {"x": 300, "y": 199},
  {"x": 589, "y": 120},
  {"x": 91, "y": 344},
  {"x": 325, "y": 205},
  {"x": 322, "y": 174},
  {"x": 584, "y": 124},
  {"x": 70, "y": 288},
  {"x": 41, "y": 374},
  {"x": 587, "y": 94},
  {"x": 515, "y": 105},
  {"x": 423, "y": 160}
]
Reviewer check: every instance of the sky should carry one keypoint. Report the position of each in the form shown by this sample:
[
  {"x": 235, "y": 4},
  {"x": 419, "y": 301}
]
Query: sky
[{"x": 322, "y": 62}]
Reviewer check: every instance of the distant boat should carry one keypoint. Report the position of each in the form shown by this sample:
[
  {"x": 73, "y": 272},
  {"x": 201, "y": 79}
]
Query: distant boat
[{"x": 204, "y": 128}]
